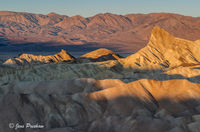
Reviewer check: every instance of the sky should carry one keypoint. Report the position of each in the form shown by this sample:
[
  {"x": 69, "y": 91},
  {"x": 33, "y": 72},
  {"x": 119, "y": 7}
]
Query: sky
[{"x": 89, "y": 8}]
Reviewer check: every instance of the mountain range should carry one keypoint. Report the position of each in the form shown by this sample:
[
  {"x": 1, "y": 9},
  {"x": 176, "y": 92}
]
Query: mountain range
[{"x": 126, "y": 33}]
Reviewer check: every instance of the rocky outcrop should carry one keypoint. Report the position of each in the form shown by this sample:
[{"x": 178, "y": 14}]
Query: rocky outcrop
[
  {"x": 33, "y": 59},
  {"x": 165, "y": 51}
]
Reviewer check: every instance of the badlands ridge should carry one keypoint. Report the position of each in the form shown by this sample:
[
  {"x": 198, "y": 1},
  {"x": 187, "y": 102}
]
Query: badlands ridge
[{"x": 156, "y": 89}]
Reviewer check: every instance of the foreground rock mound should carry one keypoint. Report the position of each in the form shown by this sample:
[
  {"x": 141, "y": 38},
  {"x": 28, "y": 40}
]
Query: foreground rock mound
[
  {"x": 33, "y": 59},
  {"x": 105, "y": 105},
  {"x": 99, "y": 55},
  {"x": 165, "y": 51}
]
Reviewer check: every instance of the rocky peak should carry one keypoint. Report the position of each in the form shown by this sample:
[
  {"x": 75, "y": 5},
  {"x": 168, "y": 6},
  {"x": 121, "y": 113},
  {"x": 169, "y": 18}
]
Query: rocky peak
[
  {"x": 160, "y": 37},
  {"x": 64, "y": 55},
  {"x": 165, "y": 51}
]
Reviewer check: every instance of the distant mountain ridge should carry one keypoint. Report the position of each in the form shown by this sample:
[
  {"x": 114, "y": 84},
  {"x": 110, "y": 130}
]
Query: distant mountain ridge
[{"x": 124, "y": 32}]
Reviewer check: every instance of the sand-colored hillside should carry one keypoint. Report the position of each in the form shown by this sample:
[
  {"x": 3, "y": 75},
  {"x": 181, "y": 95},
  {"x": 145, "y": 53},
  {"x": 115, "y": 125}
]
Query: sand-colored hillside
[{"x": 164, "y": 51}]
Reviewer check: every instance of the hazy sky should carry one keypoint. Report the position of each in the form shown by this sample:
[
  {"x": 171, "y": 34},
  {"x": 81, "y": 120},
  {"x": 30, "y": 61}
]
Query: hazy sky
[{"x": 91, "y": 7}]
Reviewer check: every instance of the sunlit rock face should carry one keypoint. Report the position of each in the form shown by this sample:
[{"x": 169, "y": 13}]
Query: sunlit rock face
[
  {"x": 33, "y": 59},
  {"x": 165, "y": 51}
]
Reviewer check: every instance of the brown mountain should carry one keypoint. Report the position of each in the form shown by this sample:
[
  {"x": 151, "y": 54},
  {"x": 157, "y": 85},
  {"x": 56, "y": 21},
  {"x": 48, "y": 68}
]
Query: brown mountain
[{"x": 125, "y": 33}]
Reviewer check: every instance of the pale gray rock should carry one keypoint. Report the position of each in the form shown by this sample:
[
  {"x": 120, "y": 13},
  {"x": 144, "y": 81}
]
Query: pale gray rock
[{"x": 194, "y": 126}]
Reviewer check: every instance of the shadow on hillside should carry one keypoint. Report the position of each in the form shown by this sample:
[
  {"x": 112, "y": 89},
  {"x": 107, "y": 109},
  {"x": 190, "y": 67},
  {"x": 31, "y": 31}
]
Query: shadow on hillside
[
  {"x": 99, "y": 59},
  {"x": 161, "y": 76},
  {"x": 52, "y": 47},
  {"x": 125, "y": 105},
  {"x": 147, "y": 116},
  {"x": 117, "y": 113},
  {"x": 155, "y": 74}
]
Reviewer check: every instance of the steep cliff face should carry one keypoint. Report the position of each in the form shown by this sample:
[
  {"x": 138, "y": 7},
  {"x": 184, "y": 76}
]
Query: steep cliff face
[
  {"x": 165, "y": 51},
  {"x": 32, "y": 59}
]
